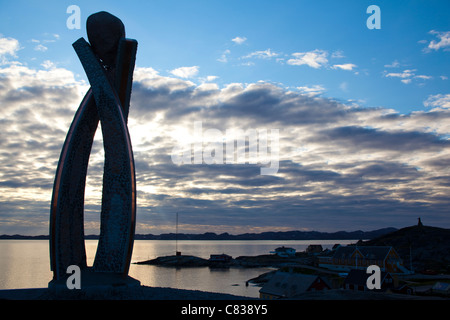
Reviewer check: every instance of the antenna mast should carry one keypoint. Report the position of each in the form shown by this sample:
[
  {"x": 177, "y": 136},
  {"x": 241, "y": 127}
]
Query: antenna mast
[{"x": 177, "y": 253}]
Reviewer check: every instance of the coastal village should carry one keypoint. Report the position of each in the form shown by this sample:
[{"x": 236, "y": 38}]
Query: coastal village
[
  {"x": 341, "y": 272},
  {"x": 341, "y": 268}
]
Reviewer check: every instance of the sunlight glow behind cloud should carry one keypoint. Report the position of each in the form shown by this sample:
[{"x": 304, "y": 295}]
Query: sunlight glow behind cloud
[{"x": 185, "y": 72}]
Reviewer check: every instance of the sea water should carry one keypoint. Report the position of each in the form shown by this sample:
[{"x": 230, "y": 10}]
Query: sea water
[{"x": 26, "y": 263}]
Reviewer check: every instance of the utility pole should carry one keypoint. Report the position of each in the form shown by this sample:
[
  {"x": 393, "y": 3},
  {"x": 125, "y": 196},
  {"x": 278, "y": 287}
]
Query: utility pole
[{"x": 410, "y": 258}]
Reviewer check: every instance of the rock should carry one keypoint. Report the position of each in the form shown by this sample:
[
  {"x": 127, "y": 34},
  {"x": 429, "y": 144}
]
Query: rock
[
  {"x": 177, "y": 261},
  {"x": 429, "y": 246},
  {"x": 263, "y": 278},
  {"x": 104, "y": 32}
]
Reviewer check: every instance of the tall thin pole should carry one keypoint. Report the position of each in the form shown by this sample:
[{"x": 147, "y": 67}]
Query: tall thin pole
[
  {"x": 410, "y": 258},
  {"x": 176, "y": 237}
]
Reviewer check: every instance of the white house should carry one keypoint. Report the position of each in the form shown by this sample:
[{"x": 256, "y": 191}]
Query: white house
[{"x": 284, "y": 252}]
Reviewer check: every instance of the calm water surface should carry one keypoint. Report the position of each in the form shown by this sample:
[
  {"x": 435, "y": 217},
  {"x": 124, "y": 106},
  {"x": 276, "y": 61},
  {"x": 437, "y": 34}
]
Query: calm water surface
[{"x": 26, "y": 263}]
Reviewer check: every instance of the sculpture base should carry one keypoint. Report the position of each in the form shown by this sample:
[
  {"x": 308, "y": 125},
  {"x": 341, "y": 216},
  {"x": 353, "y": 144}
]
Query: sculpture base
[{"x": 95, "y": 282}]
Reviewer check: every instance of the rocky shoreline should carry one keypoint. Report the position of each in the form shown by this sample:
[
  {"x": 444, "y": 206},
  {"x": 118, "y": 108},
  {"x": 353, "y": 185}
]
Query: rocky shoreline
[{"x": 260, "y": 261}]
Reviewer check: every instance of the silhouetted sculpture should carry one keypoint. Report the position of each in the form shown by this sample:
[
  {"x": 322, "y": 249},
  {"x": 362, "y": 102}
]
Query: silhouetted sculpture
[
  {"x": 419, "y": 224},
  {"x": 109, "y": 63}
]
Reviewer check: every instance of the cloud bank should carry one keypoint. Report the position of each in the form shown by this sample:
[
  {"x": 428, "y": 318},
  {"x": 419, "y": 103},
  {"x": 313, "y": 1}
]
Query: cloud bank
[{"x": 341, "y": 166}]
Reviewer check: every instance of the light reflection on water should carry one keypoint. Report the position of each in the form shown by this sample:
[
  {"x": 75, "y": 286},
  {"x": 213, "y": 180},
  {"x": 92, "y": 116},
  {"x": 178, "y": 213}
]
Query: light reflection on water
[{"x": 26, "y": 263}]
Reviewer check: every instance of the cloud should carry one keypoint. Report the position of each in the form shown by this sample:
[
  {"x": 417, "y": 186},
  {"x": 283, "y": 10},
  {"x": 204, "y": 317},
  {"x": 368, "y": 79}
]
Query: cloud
[
  {"x": 344, "y": 86},
  {"x": 185, "y": 72},
  {"x": 247, "y": 63},
  {"x": 314, "y": 183},
  {"x": 40, "y": 47},
  {"x": 404, "y": 74},
  {"x": 265, "y": 54},
  {"x": 394, "y": 64},
  {"x": 9, "y": 46},
  {"x": 423, "y": 77},
  {"x": 407, "y": 76},
  {"x": 341, "y": 166},
  {"x": 314, "y": 59},
  {"x": 443, "y": 43},
  {"x": 224, "y": 57},
  {"x": 360, "y": 138},
  {"x": 346, "y": 66},
  {"x": 338, "y": 54},
  {"x": 37, "y": 108},
  {"x": 8, "y": 49},
  {"x": 40, "y": 43},
  {"x": 319, "y": 58},
  {"x": 239, "y": 40},
  {"x": 208, "y": 78},
  {"x": 438, "y": 101},
  {"x": 47, "y": 64},
  {"x": 312, "y": 90}
]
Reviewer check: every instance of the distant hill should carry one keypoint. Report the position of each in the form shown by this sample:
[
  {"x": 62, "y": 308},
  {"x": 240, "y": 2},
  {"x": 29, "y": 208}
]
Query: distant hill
[
  {"x": 286, "y": 235},
  {"x": 22, "y": 237},
  {"x": 282, "y": 235},
  {"x": 429, "y": 246}
]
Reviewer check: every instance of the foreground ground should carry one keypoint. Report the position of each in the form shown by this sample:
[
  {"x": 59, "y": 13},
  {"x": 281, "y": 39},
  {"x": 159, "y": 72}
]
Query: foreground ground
[
  {"x": 151, "y": 293},
  {"x": 135, "y": 293}
]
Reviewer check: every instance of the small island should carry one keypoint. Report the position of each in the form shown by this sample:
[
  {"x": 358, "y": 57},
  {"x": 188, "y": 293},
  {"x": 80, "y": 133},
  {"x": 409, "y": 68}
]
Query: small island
[{"x": 226, "y": 261}]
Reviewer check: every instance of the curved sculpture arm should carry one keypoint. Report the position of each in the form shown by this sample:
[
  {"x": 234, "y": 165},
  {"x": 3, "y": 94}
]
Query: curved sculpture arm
[{"x": 118, "y": 215}]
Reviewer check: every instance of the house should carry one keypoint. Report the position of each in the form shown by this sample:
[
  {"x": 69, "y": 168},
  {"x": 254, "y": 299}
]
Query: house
[
  {"x": 404, "y": 289},
  {"x": 314, "y": 249},
  {"x": 324, "y": 259},
  {"x": 360, "y": 257},
  {"x": 356, "y": 280},
  {"x": 441, "y": 287},
  {"x": 284, "y": 252},
  {"x": 288, "y": 284}
]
